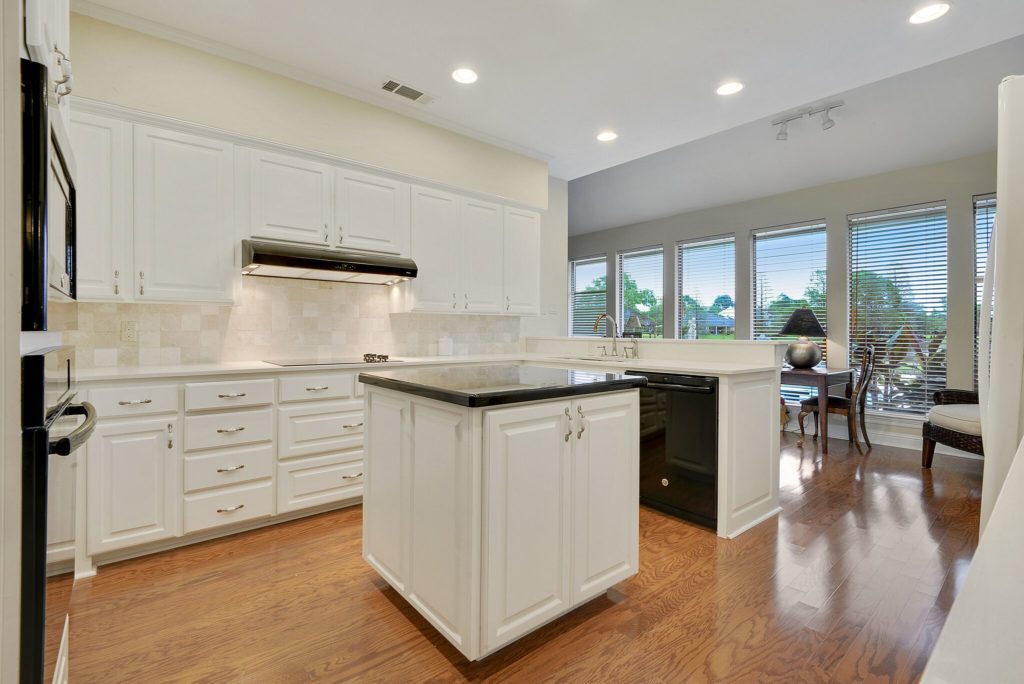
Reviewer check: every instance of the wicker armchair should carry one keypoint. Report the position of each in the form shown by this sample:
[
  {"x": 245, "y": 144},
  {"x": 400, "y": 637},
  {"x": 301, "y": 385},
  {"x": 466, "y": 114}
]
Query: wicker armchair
[{"x": 959, "y": 428}]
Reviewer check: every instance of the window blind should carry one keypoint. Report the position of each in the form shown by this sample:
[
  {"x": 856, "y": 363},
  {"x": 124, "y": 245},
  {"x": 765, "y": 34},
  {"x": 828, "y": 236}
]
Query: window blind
[
  {"x": 898, "y": 284},
  {"x": 706, "y": 289},
  {"x": 789, "y": 273},
  {"x": 641, "y": 285},
  {"x": 984, "y": 219},
  {"x": 588, "y": 295}
]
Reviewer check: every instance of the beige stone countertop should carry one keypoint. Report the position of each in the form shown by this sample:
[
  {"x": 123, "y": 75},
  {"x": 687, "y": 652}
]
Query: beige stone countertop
[{"x": 128, "y": 373}]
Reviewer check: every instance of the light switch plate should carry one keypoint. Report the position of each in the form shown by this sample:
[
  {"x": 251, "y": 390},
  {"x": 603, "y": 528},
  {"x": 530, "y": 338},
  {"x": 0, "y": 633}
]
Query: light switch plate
[{"x": 129, "y": 331}]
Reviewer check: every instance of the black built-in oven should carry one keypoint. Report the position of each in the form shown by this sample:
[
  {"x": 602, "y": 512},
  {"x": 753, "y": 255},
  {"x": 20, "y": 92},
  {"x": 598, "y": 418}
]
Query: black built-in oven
[
  {"x": 48, "y": 205},
  {"x": 679, "y": 445},
  {"x": 48, "y": 403}
]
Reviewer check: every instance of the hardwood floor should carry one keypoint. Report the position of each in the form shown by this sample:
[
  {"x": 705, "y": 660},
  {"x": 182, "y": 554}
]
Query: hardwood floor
[{"x": 851, "y": 583}]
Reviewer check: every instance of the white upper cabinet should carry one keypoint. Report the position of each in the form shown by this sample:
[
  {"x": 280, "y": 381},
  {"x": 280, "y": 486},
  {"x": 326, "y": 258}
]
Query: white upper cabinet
[
  {"x": 480, "y": 240},
  {"x": 435, "y": 220},
  {"x": 184, "y": 217},
  {"x": 521, "y": 256},
  {"x": 371, "y": 213},
  {"x": 103, "y": 147},
  {"x": 48, "y": 40},
  {"x": 291, "y": 198}
]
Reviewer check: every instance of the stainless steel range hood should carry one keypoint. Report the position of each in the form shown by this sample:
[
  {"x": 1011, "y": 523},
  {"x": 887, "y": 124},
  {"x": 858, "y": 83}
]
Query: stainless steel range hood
[{"x": 279, "y": 260}]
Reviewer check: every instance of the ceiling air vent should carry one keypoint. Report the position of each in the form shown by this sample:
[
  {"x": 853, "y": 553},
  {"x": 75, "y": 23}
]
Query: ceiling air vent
[{"x": 407, "y": 92}]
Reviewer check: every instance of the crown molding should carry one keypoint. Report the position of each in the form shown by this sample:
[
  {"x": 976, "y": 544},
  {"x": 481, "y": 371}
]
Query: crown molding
[{"x": 196, "y": 42}]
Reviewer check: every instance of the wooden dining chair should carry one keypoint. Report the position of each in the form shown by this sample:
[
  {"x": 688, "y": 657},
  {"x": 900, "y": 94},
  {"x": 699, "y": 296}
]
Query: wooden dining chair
[{"x": 852, "y": 407}]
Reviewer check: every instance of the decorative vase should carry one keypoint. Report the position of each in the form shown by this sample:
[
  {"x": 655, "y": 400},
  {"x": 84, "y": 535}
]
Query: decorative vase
[{"x": 803, "y": 354}]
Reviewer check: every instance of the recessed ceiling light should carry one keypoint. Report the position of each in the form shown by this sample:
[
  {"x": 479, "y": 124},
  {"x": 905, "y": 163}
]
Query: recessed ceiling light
[
  {"x": 730, "y": 88},
  {"x": 464, "y": 75},
  {"x": 929, "y": 13},
  {"x": 607, "y": 136}
]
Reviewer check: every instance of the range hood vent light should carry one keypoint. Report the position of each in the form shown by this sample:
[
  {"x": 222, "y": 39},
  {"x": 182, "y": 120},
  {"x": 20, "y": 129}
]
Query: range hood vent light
[{"x": 279, "y": 260}]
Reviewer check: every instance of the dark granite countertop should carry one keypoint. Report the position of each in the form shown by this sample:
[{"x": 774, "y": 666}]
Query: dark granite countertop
[{"x": 492, "y": 385}]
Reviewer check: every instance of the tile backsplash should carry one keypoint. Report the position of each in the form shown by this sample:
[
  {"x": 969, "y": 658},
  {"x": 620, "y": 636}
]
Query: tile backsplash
[{"x": 273, "y": 318}]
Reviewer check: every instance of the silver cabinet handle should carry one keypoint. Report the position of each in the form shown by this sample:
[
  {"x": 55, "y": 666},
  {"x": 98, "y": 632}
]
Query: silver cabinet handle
[
  {"x": 353, "y": 425},
  {"x": 341, "y": 234},
  {"x": 229, "y": 509},
  {"x": 568, "y": 419},
  {"x": 453, "y": 300},
  {"x": 231, "y": 469},
  {"x": 227, "y": 431},
  {"x": 117, "y": 284},
  {"x": 135, "y": 402},
  {"x": 318, "y": 389},
  {"x": 508, "y": 303},
  {"x": 231, "y": 395},
  {"x": 467, "y": 301},
  {"x": 352, "y": 477},
  {"x": 583, "y": 422},
  {"x": 142, "y": 282},
  {"x": 327, "y": 235},
  {"x": 170, "y": 435}
]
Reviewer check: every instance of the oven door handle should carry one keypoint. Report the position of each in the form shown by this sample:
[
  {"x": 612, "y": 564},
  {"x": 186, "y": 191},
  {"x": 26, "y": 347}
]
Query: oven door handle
[
  {"x": 701, "y": 389},
  {"x": 67, "y": 444}
]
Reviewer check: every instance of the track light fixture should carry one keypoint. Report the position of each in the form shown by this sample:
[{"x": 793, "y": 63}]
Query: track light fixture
[{"x": 827, "y": 122}]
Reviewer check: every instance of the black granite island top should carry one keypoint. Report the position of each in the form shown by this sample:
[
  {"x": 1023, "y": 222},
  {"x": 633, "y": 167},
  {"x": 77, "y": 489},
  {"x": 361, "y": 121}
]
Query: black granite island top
[{"x": 492, "y": 385}]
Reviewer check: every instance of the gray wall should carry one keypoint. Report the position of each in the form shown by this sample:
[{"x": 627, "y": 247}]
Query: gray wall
[{"x": 956, "y": 182}]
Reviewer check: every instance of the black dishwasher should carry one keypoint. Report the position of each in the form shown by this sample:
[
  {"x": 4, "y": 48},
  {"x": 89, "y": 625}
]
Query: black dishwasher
[{"x": 679, "y": 445}]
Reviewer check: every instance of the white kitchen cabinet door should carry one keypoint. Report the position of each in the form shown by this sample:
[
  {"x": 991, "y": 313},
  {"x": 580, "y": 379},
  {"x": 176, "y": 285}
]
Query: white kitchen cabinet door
[
  {"x": 435, "y": 248},
  {"x": 134, "y": 485},
  {"x": 385, "y": 481},
  {"x": 291, "y": 198},
  {"x": 60, "y": 508},
  {"x": 480, "y": 256},
  {"x": 103, "y": 211},
  {"x": 47, "y": 36},
  {"x": 184, "y": 217},
  {"x": 527, "y": 503},
  {"x": 606, "y": 489},
  {"x": 521, "y": 257},
  {"x": 371, "y": 213}
]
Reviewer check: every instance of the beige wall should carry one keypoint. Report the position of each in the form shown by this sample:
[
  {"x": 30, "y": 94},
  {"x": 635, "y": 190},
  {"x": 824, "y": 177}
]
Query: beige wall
[
  {"x": 124, "y": 67},
  {"x": 955, "y": 181}
]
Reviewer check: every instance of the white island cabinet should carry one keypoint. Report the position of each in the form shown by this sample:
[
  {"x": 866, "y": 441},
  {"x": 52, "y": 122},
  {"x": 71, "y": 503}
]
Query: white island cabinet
[{"x": 496, "y": 517}]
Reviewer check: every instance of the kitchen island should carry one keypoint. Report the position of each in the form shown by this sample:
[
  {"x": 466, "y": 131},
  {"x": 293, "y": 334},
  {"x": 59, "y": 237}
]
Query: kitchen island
[{"x": 499, "y": 497}]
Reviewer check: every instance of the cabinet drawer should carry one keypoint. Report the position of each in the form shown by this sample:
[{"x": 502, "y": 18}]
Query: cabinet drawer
[
  {"x": 319, "y": 386},
  {"x": 320, "y": 428},
  {"x": 228, "y": 467},
  {"x": 319, "y": 480},
  {"x": 228, "y": 506},
  {"x": 228, "y": 429},
  {"x": 200, "y": 396},
  {"x": 134, "y": 400}
]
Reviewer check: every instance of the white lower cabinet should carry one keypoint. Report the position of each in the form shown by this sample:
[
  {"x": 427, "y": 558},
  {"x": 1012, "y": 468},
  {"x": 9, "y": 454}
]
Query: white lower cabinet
[
  {"x": 133, "y": 483},
  {"x": 229, "y": 506},
  {"x": 528, "y": 490},
  {"x": 492, "y": 522},
  {"x": 319, "y": 480}
]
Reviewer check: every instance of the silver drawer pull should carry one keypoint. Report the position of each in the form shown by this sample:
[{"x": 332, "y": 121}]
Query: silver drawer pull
[
  {"x": 135, "y": 402},
  {"x": 317, "y": 389},
  {"x": 231, "y": 469},
  {"x": 353, "y": 425},
  {"x": 352, "y": 477},
  {"x": 228, "y": 431},
  {"x": 229, "y": 509},
  {"x": 233, "y": 395}
]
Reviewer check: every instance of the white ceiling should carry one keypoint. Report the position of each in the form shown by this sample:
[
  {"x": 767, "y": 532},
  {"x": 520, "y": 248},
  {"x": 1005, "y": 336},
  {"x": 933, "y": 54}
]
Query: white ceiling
[
  {"x": 555, "y": 72},
  {"x": 940, "y": 112}
]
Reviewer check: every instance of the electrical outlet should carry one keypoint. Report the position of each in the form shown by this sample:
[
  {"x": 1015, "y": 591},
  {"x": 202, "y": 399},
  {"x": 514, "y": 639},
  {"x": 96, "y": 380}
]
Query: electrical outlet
[{"x": 129, "y": 331}]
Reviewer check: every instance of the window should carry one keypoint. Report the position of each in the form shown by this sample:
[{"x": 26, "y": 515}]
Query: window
[
  {"x": 588, "y": 295},
  {"x": 984, "y": 218},
  {"x": 706, "y": 289},
  {"x": 898, "y": 265},
  {"x": 641, "y": 282},
  {"x": 789, "y": 274}
]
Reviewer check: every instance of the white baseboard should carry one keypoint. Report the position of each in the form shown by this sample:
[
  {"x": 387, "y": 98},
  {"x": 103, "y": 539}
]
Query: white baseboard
[{"x": 895, "y": 431}]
